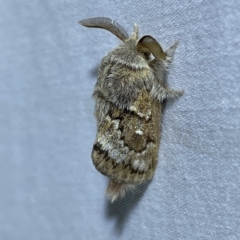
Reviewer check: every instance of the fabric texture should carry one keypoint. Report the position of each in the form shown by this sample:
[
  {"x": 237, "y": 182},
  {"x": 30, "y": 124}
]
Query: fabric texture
[{"x": 48, "y": 63}]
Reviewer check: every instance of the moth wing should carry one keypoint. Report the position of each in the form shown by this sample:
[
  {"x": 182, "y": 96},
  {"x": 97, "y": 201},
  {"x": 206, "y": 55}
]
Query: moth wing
[{"x": 126, "y": 147}]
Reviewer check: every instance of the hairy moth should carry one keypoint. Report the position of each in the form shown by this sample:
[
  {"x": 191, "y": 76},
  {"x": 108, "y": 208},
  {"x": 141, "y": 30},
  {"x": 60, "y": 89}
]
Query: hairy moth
[{"x": 129, "y": 94}]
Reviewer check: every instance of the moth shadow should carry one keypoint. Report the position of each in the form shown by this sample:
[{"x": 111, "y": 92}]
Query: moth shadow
[
  {"x": 168, "y": 104},
  {"x": 94, "y": 71},
  {"x": 123, "y": 207}
]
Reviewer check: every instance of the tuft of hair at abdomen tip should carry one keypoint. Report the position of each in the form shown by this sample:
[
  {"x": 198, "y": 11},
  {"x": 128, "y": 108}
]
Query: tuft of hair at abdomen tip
[{"x": 118, "y": 190}]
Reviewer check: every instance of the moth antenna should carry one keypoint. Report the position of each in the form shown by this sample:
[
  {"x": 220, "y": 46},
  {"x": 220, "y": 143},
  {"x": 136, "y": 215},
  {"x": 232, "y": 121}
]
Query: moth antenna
[
  {"x": 150, "y": 43},
  {"x": 107, "y": 24},
  {"x": 118, "y": 190}
]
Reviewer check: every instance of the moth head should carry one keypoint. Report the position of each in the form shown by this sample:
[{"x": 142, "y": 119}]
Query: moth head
[
  {"x": 146, "y": 46},
  {"x": 106, "y": 23},
  {"x": 149, "y": 45}
]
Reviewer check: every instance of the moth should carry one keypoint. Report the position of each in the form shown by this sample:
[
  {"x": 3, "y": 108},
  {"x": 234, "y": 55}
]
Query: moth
[{"x": 128, "y": 96}]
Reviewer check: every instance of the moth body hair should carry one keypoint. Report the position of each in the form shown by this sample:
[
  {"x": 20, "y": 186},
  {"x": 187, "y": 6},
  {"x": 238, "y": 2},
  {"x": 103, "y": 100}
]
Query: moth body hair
[
  {"x": 118, "y": 190},
  {"x": 128, "y": 97}
]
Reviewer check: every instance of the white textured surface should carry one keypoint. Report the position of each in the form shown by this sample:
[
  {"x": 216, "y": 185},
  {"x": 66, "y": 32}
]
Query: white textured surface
[{"x": 49, "y": 188}]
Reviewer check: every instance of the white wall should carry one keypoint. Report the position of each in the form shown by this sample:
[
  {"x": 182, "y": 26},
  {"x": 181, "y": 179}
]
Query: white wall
[{"x": 49, "y": 188}]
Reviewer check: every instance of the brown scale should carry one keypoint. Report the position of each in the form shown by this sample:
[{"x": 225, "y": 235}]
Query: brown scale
[{"x": 129, "y": 122}]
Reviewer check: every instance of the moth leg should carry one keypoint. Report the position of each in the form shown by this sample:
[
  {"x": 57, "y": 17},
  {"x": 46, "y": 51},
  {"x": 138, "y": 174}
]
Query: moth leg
[
  {"x": 135, "y": 32},
  {"x": 167, "y": 92},
  {"x": 170, "y": 53},
  {"x": 161, "y": 92},
  {"x": 171, "y": 93}
]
